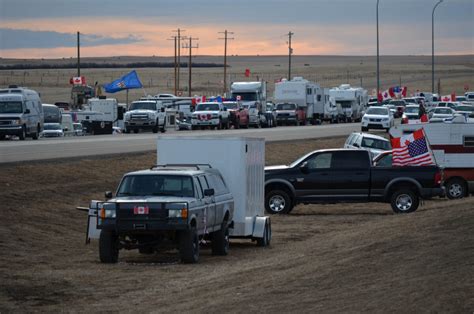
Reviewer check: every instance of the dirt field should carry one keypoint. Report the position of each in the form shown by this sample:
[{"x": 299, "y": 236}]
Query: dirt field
[
  {"x": 414, "y": 72},
  {"x": 333, "y": 258}
]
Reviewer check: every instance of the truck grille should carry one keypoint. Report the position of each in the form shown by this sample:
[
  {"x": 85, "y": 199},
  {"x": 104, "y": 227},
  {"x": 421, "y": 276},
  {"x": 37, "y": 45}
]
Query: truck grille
[
  {"x": 155, "y": 211},
  {"x": 375, "y": 120},
  {"x": 283, "y": 115},
  {"x": 139, "y": 117}
]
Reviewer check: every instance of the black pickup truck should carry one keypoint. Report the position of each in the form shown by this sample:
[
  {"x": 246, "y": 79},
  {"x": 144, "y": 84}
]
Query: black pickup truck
[{"x": 347, "y": 175}]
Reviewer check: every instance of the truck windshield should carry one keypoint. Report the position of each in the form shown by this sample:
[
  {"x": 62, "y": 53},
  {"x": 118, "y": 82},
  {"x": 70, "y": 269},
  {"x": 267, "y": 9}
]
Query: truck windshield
[
  {"x": 345, "y": 103},
  {"x": 286, "y": 107},
  {"x": 251, "y": 96},
  {"x": 375, "y": 143},
  {"x": 231, "y": 105},
  {"x": 378, "y": 111},
  {"x": 207, "y": 107},
  {"x": 143, "y": 106},
  {"x": 156, "y": 185},
  {"x": 412, "y": 109},
  {"x": 11, "y": 107}
]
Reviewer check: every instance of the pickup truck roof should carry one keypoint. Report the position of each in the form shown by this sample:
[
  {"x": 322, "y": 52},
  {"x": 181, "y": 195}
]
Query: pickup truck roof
[{"x": 175, "y": 170}]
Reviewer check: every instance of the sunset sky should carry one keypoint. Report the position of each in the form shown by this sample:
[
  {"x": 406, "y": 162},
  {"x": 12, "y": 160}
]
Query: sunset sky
[{"x": 47, "y": 28}]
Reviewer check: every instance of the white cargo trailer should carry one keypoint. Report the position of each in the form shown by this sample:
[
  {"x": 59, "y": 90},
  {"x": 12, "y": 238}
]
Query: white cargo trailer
[{"x": 241, "y": 162}]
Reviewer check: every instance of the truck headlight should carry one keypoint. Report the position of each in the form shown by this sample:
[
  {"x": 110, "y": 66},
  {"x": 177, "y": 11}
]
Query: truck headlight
[
  {"x": 385, "y": 119},
  {"x": 127, "y": 117},
  {"x": 178, "y": 210},
  {"x": 365, "y": 118},
  {"x": 16, "y": 122},
  {"x": 107, "y": 213}
]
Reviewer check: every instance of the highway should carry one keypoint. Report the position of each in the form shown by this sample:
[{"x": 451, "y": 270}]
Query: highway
[{"x": 43, "y": 149}]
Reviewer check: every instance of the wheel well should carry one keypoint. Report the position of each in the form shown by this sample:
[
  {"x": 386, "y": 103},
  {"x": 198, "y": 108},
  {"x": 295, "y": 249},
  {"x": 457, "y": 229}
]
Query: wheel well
[
  {"x": 279, "y": 186},
  {"x": 456, "y": 178},
  {"x": 193, "y": 223},
  {"x": 226, "y": 216},
  {"x": 402, "y": 185}
]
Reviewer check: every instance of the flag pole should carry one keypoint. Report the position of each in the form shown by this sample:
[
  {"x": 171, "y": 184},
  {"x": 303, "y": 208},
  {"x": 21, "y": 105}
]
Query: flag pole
[
  {"x": 429, "y": 145},
  {"x": 127, "y": 98}
]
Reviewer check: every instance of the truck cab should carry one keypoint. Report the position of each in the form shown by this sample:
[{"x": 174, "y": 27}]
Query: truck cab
[
  {"x": 145, "y": 115},
  {"x": 166, "y": 206},
  {"x": 21, "y": 113}
]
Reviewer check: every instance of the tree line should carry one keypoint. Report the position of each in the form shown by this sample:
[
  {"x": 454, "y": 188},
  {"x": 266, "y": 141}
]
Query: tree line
[{"x": 94, "y": 65}]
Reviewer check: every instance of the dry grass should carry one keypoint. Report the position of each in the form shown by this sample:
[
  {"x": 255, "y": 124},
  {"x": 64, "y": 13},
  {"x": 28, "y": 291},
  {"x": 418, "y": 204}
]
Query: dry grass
[
  {"x": 413, "y": 71},
  {"x": 331, "y": 258}
]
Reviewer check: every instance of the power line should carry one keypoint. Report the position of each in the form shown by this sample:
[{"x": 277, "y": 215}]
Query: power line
[
  {"x": 290, "y": 52},
  {"x": 179, "y": 37},
  {"x": 175, "y": 38},
  {"x": 225, "y": 55}
]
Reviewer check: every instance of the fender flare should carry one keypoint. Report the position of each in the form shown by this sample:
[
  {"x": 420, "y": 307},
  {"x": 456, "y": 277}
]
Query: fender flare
[
  {"x": 402, "y": 180},
  {"x": 284, "y": 182}
]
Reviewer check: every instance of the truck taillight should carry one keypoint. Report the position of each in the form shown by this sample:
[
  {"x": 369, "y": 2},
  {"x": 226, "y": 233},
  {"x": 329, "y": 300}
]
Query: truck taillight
[{"x": 438, "y": 178}]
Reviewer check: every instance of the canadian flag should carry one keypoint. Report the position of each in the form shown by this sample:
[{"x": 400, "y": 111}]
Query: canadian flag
[
  {"x": 199, "y": 99},
  {"x": 451, "y": 97},
  {"x": 398, "y": 91},
  {"x": 385, "y": 95},
  {"x": 78, "y": 80}
]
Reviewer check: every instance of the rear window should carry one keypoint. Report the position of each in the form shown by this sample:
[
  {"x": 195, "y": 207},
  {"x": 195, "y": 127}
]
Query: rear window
[{"x": 375, "y": 143}]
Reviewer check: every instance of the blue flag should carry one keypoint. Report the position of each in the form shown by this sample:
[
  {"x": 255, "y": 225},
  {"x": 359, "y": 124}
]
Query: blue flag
[{"x": 128, "y": 81}]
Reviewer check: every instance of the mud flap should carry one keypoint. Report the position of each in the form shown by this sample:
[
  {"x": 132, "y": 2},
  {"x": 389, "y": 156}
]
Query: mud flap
[{"x": 92, "y": 231}]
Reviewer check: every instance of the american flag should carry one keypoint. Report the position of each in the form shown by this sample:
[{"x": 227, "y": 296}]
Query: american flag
[{"x": 411, "y": 150}]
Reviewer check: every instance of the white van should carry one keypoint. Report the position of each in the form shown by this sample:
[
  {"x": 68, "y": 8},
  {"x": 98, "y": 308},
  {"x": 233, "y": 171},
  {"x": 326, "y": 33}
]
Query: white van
[{"x": 21, "y": 113}]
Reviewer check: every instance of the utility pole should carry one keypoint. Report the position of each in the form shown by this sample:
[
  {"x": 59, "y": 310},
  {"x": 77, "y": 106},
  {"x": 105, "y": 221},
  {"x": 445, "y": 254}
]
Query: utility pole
[
  {"x": 290, "y": 52},
  {"x": 378, "y": 55},
  {"x": 225, "y": 56},
  {"x": 190, "y": 47},
  {"x": 432, "y": 46},
  {"x": 179, "y": 37},
  {"x": 78, "y": 55},
  {"x": 175, "y": 39}
]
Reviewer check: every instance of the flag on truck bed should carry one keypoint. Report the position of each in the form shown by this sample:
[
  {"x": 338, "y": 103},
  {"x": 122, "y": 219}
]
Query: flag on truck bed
[
  {"x": 411, "y": 150},
  {"x": 128, "y": 81}
]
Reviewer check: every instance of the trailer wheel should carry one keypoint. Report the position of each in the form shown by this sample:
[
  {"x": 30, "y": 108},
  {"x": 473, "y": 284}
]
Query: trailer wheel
[
  {"x": 267, "y": 235},
  {"x": 278, "y": 202},
  {"x": 404, "y": 201},
  {"x": 108, "y": 247},
  {"x": 455, "y": 188},
  {"x": 220, "y": 240},
  {"x": 189, "y": 246}
]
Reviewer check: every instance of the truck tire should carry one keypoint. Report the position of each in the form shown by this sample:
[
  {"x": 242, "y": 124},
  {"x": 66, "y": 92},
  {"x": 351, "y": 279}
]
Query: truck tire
[
  {"x": 127, "y": 130},
  {"x": 278, "y": 202},
  {"x": 135, "y": 131},
  {"x": 108, "y": 247},
  {"x": 146, "y": 250},
  {"x": 22, "y": 135},
  {"x": 220, "y": 240},
  {"x": 455, "y": 188},
  {"x": 189, "y": 246},
  {"x": 404, "y": 201},
  {"x": 155, "y": 128},
  {"x": 36, "y": 135},
  {"x": 364, "y": 129},
  {"x": 267, "y": 235}
]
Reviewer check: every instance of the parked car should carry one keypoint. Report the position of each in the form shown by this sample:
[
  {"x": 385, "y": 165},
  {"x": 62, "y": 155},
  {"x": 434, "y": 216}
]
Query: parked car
[
  {"x": 78, "y": 129},
  {"x": 467, "y": 110},
  {"x": 52, "y": 130},
  {"x": 373, "y": 143},
  {"x": 289, "y": 113},
  {"x": 411, "y": 100},
  {"x": 270, "y": 115},
  {"x": 377, "y": 117},
  {"x": 239, "y": 116},
  {"x": 393, "y": 110},
  {"x": 411, "y": 113},
  {"x": 440, "y": 113},
  {"x": 166, "y": 207},
  {"x": 449, "y": 104},
  {"x": 347, "y": 175},
  {"x": 461, "y": 98},
  {"x": 210, "y": 114}
]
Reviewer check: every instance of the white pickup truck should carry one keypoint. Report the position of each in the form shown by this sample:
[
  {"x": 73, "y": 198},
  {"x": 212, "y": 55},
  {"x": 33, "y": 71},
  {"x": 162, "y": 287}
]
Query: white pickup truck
[
  {"x": 210, "y": 114},
  {"x": 145, "y": 114}
]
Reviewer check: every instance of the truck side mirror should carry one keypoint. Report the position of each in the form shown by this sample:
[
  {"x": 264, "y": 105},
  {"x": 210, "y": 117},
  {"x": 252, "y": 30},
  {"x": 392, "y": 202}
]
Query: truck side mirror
[
  {"x": 108, "y": 195},
  {"x": 355, "y": 145},
  {"x": 162, "y": 109},
  {"x": 208, "y": 192}
]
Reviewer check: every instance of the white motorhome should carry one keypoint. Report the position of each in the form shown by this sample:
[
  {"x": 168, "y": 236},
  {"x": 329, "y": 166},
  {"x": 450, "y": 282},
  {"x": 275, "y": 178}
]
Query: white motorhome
[
  {"x": 452, "y": 144},
  {"x": 353, "y": 101},
  {"x": 110, "y": 108},
  {"x": 241, "y": 162},
  {"x": 21, "y": 113},
  {"x": 253, "y": 95},
  {"x": 307, "y": 95}
]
